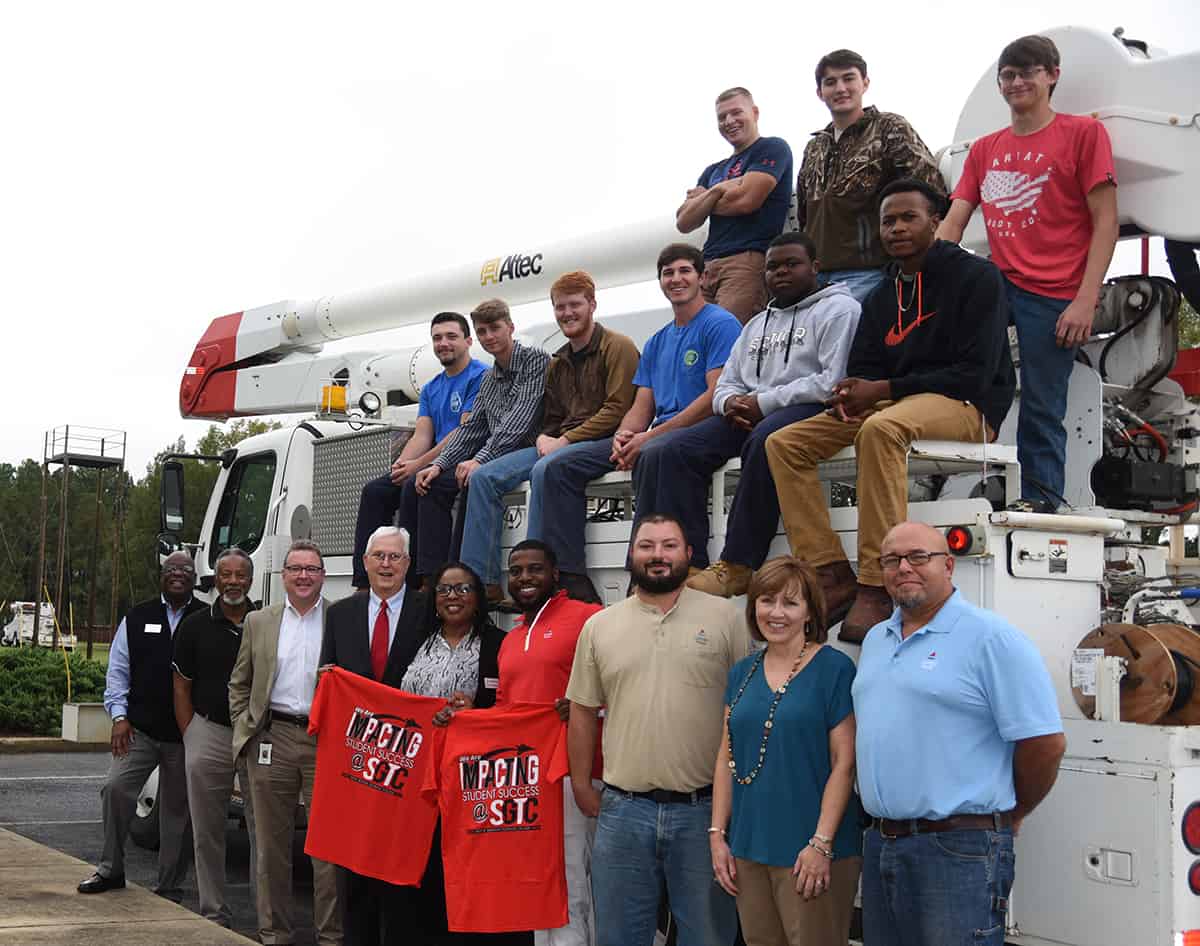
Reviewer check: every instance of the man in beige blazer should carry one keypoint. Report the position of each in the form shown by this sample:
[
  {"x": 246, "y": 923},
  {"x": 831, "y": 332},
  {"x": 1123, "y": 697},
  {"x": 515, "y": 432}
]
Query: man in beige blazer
[{"x": 270, "y": 694}]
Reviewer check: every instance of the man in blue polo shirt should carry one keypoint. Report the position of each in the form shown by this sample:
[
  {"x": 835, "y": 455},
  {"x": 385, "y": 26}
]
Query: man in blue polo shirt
[
  {"x": 444, "y": 405},
  {"x": 959, "y": 738},
  {"x": 745, "y": 199}
]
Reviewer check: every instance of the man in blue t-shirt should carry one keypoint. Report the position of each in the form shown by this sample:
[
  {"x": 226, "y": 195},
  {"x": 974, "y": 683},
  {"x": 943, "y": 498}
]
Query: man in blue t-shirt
[
  {"x": 745, "y": 199},
  {"x": 444, "y": 405},
  {"x": 675, "y": 380}
]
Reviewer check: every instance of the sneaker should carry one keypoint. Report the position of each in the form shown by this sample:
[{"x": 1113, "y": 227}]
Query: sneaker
[
  {"x": 497, "y": 602},
  {"x": 723, "y": 579}
]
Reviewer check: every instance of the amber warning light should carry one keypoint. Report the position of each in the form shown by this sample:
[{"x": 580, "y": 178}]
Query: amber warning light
[{"x": 958, "y": 539}]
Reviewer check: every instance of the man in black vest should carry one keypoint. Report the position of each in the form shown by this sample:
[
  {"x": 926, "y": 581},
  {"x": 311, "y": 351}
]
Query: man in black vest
[
  {"x": 367, "y": 634},
  {"x": 139, "y": 697}
]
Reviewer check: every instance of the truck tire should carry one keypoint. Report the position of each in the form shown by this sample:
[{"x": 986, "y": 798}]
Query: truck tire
[{"x": 143, "y": 829}]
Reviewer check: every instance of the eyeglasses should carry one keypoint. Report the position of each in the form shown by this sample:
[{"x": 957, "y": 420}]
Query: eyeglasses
[
  {"x": 1009, "y": 76},
  {"x": 181, "y": 569},
  {"x": 915, "y": 558},
  {"x": 461, "y": 590},
  {"x": 304, "y": 569},
  {"x": 389, "y": 557}
]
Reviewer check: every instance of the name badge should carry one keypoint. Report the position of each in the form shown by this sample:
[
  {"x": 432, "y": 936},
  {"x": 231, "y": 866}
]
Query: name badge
[
  {"x": 153, "y": 628},
  {"x": 264, "y": 753},
  {"x": 491, "y": 683}
]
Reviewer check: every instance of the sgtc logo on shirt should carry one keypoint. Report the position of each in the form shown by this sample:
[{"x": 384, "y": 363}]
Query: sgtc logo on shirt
[
  {"x": 690, "y": 357},
  {"x": 503, "y": 786},
  {"x": 456, "y": 402},
  {"x": 385, "y": 749}
]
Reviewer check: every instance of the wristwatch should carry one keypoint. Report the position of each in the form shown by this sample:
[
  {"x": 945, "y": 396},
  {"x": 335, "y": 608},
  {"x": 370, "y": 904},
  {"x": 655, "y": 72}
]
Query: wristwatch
[{"x": 118, "y": 719}]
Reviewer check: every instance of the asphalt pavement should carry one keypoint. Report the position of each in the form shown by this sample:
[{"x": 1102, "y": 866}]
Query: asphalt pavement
[{"x": 54, "y": 799}]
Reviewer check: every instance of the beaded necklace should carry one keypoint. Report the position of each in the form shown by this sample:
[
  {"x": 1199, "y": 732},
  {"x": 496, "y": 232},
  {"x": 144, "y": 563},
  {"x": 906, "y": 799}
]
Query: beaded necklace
[{"x": 762, "y": 749}]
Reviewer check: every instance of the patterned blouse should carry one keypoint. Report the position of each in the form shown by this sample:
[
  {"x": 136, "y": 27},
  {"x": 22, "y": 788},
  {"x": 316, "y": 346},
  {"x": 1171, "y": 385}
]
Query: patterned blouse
[{"x": 438, "y": 669}]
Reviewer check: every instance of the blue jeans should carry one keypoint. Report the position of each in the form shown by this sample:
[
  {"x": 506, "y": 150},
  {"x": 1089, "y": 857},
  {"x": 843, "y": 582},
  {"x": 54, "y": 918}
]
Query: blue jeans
[
  {"x": 484, "y": 517},
  {"x": 860, "y": 282},
  {"x": 557, "y": 503},
  {"x": 640, "y": 846},
  {"x": 1045, "y": 376},
  {"x": 945, "y": 889}
]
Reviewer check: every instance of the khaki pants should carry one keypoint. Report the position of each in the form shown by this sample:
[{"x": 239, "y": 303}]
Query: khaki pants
[
  {"x": 736, "y": 283},
  {"x": 773, "y": 914},
  {"x": 275, "y": 789},
  {"x": 210, "y": 771},
  {"x": 881, "y": 443}
]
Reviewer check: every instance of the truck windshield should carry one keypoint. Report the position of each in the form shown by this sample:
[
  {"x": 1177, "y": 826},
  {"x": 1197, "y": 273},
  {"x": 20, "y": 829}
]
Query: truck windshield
[{"x": 242, "y": 515}]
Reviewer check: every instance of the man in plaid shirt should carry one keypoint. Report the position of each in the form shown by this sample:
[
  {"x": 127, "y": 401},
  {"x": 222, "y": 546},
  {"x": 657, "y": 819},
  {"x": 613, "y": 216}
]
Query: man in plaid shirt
[{"x": 507, "y": 415}]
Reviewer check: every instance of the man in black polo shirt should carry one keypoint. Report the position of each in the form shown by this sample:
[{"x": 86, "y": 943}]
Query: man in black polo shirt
[
  {"x": 137, "y": 695},
  {"x": 205, "y": 648}
]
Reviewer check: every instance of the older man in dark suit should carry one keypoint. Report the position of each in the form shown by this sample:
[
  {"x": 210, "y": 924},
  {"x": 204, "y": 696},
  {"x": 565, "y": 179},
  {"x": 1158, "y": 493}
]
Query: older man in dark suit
[{"x": 369, "y": 634}]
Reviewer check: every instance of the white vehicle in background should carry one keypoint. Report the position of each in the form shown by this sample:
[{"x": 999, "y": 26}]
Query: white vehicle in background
[
  {"x": 18, "y": 632},
  {"x": 1112, "y": 857}
]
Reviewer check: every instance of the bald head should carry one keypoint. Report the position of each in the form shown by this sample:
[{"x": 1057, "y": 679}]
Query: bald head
[{"x": 916, "y": 586}]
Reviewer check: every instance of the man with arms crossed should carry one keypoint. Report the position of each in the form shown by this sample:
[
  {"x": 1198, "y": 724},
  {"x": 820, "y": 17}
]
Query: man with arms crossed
[
  {"x": 206, "y": 646},
  {"x": 745, "y": 199},
  {"x": 959, "y": 739},
  {"x": 846, "y": 165},
  {"x": 930, "y": 360},
  {"x": 535, "y": 665},
  {"x": 445, "y": 403},
  {"x": 658, "y": 662},
  {"x": 507, "y": 413},
  {"x": 138, "y": 697},
  {"x": 1049, "y": 196},
  {"x": 270, "y": 693},
  {"x": 781, "y": 371},
  {"x": 589, "y": 387},
  {"x": 675, "y": 381}
]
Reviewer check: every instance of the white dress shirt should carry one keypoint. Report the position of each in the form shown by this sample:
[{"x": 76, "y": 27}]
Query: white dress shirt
[
  {"x": 296, "y": 659},
  {"x": 394, "y": 604}
]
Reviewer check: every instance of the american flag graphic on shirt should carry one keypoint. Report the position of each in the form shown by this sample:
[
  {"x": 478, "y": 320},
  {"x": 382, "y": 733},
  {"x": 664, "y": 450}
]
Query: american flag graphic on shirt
[{"x": 1011, "y": 191}]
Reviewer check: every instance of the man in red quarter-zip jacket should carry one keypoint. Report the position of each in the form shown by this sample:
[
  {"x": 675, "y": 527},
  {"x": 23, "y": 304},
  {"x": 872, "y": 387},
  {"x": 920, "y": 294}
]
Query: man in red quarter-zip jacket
[
  {"x": 535, "y": 665},
  {"x": 930, "y": 360}
]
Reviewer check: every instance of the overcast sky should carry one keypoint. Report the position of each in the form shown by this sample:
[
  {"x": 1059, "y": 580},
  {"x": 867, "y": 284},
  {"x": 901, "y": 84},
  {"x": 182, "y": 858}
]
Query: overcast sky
[{"x": 164, "y": 164}]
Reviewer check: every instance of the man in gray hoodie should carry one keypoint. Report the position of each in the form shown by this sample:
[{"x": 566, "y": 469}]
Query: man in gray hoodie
[{"x": 781, "y": 370}]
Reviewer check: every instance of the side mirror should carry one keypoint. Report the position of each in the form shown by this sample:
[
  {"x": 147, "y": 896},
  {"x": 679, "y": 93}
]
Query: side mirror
[
  {"x": 205, "y": 583},
  {"x": 171, "y": 497},
  {"x": 168, "y": 542}
]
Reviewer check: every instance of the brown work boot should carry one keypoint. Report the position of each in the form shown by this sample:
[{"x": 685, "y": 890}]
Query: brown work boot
[
  {"x": 839, "y": 585},
  {"x": 578, "y": 586},
  {"x": 871, "y": 605},
  {"x": 723, "y": 579},
  {"x": 497, "y": 602}
]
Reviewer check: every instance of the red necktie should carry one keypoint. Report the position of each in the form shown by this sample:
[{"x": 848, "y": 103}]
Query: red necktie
[{"x": 379, "y": 642}]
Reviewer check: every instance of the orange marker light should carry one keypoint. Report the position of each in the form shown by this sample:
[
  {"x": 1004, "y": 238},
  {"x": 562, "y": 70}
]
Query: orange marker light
[{"x": 958, "y": 539}]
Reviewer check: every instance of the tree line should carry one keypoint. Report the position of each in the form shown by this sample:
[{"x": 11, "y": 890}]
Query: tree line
[{"x": 132, "y": 502}]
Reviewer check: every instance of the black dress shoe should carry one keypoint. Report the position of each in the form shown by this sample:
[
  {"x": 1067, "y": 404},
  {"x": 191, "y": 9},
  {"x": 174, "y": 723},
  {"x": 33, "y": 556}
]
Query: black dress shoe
[{"x": 98, "y": 883}]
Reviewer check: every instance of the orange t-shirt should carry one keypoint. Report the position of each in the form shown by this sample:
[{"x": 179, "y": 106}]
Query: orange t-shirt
[
  {"x": 497, "y": 775},
  {"x": 369, "y": 813}
]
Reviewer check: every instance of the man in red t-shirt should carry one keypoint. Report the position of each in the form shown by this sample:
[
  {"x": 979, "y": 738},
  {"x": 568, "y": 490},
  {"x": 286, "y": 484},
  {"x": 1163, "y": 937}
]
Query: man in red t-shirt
[
  {"x": 1049, "y": 195},
  {"x": 535, "y": 665}
]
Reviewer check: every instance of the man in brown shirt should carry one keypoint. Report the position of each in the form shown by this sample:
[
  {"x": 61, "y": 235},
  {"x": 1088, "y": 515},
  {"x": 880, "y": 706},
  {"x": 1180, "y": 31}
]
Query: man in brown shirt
[{"x": 589, "y": 387}]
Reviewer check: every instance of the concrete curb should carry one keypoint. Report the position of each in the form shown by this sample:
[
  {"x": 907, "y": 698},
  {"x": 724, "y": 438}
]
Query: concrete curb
[{"x": 16, "y": 745}]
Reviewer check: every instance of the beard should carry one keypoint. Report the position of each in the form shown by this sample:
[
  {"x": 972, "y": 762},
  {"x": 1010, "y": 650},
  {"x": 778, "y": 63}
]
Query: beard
[
  {"x": 234, "y": 597},
  {"x": 911, "y": 599},
  {"x": 659, "y": 585}
]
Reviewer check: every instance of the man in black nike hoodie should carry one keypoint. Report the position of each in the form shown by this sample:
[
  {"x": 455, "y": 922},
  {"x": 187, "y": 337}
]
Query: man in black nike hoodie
[{"x": 930, "y": 360}]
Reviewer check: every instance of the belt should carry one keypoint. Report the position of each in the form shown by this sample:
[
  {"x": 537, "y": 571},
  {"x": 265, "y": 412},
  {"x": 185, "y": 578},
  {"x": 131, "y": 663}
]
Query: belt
[
  {"x": 902, "y": 829},
  {"x": 289, "y": 718},
  {"x": 662, "y": 796}
]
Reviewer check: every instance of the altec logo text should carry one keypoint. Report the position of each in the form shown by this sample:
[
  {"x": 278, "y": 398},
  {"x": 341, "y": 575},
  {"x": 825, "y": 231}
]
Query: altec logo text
[{"x": 516, "y": 266}]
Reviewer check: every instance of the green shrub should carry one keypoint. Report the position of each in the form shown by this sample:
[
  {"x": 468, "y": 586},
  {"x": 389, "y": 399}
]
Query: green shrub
[{"x": 33, "y": 688}]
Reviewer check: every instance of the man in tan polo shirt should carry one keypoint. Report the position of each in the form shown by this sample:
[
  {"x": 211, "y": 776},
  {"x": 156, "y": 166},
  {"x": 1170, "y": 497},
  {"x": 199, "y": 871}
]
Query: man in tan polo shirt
[{"x": 658, "y": 662}]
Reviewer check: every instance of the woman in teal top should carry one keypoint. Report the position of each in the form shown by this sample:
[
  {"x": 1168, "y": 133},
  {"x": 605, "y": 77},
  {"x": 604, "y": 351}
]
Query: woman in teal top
[{"x": 785, "y": 834}]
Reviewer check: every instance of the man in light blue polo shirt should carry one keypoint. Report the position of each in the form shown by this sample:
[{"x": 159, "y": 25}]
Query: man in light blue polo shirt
[{"x": 959, "y": 738}]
